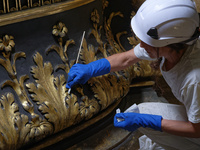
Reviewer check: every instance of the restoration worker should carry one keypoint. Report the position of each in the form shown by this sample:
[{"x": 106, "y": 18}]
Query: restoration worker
[{"x": 169, "y": 32}]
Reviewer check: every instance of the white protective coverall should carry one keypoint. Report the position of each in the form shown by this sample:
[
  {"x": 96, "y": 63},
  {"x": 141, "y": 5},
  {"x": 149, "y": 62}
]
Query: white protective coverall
[{"x": 184, "y": 81}]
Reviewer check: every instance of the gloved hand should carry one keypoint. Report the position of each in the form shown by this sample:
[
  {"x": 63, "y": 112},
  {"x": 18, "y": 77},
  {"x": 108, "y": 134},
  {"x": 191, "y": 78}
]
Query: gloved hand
[
  {"x": 132, "y": 121},
  {"x": 81, "y": 73}
]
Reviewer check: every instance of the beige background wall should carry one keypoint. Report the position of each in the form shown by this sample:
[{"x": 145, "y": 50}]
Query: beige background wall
[{"x": 198, "y": 5}]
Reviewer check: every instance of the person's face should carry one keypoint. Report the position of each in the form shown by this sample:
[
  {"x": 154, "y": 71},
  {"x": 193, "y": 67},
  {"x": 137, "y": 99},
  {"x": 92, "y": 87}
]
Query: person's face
[{"x": 152, "y": 51}]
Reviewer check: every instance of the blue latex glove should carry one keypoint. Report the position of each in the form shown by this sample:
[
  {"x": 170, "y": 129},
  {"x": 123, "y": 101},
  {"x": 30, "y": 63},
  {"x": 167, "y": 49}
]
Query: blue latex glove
[
  {"x": 132, "y": 121},
  {"x": 81, "y": 73}
]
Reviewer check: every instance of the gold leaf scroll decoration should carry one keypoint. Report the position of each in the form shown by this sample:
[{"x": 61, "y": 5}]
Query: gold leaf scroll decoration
[
  {"x": 88, "y": 54},
  {"x": 37, "y": 125},
  {"x": 118, "y": 35},
  {"x": 96, "y": 32},
  {"x": 50, "y": 94},
  {"x": 116, "y": 46},
  {"x": 109, "y": 34},
  {"x": 95, "y": 19},
  {"x": 109, "y": 88}
]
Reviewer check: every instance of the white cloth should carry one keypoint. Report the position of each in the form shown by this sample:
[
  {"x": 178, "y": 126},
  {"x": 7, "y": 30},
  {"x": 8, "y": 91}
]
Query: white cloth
[
  {"x": 183, "y": 79},
  {"x": 147, "y": 144}
]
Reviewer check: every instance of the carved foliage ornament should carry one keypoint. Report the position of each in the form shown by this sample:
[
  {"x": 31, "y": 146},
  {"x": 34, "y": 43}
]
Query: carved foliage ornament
[{"x": 58, "y": 110}]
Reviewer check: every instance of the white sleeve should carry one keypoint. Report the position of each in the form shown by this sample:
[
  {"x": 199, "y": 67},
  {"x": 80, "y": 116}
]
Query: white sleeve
[
  {"x": 191, "y": 100},
  {"x": 141, "y": 53}
]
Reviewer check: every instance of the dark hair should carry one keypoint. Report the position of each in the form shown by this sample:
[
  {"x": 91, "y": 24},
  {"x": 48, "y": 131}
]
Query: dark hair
[{"x": 176, "y": 47}]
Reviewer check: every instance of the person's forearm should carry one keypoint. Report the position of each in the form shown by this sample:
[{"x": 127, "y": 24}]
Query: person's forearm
[
  {"x": 122, "y": 60},
  {"x": 181, "y": 128}
]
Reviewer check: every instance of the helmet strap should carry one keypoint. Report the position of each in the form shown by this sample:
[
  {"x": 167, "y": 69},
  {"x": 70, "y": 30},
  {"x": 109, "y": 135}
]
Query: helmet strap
[
  {"x": 194, "y": 36},
  {"x": 157, "y": 49}
]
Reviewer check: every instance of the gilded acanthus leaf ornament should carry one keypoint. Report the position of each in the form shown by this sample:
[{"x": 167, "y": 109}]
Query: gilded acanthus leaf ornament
[
  {"x": 88, "y": 54},
  {"x": 14, "y": 127},
  {"x": 50, "y": 95},
  {"x": 45, "y": 100},
  {"x": 107, "y": 88},
  {"x": 24, "y": 129}
]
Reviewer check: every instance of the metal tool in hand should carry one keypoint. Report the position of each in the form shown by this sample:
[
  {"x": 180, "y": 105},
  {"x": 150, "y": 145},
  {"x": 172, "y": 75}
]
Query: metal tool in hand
[{"x": 78, "y": 55}]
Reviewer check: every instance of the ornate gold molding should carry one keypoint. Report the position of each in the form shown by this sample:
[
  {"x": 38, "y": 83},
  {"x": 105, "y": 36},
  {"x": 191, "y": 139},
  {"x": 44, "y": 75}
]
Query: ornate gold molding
[{"x": 37, "y": 12}]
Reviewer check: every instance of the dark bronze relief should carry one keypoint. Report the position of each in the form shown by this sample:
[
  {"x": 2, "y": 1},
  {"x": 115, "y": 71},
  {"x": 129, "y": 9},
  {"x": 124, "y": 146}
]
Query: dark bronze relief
[{"x": 36, "y": 55}]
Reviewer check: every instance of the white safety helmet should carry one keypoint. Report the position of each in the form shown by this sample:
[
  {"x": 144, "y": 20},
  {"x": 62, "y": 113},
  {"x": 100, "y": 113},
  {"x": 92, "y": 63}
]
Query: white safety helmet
[{"x": 162, "y": 22}]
